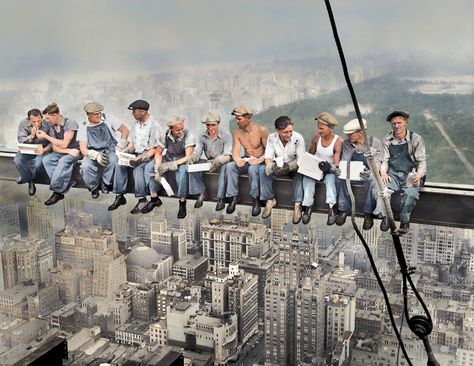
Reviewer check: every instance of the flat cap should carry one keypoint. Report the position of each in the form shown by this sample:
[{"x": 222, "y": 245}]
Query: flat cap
[
  {"x": 327, "y": 118},
  {"x": 93, "y": 107},
  {"x": 353, "y": 126},
  {"x": 211, "y": 118},
  {"x": 242, "y": 110},
  {"x": 397, "y": 114},
  {"x": 175, "y": 120},
  {"x": 139, "y": 104}
]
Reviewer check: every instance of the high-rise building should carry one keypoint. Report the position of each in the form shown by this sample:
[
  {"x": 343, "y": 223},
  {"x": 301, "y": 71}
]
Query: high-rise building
[
  {"x": 9, "y": 219},
  {"x": 226, "y": 241},
  {"x": 120, "y": 223},
  {"x": 278, "y": 220},
  {"x": 75, "y": 284},
  {"x": 143, "y": 302},
  {"x": 168, "y": 241},
  {"x": 243, "y": 300},
  {"x": 80, "y": 247},
  {"x": 109, "y": 273},
  {"x": 44, "y": 221},
  {"x": 340, "y": 318}
]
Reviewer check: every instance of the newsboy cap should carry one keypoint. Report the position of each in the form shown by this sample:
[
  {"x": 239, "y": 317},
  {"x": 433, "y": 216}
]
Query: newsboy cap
[
  {"x": 242, "y": 110},
  {"x": 211, "y": 118},
  {"x": 93, "y": 107},
  {"x": 353, "y": 126},
  {"x": 139, "y": 104},
  {"x": 175, "y": 120},
  {"x": 397, "y": 114},
  {"x": 327, "y": 119}
]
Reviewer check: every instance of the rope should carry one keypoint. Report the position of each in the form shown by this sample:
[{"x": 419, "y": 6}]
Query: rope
[{"x": 420, "y": 325}]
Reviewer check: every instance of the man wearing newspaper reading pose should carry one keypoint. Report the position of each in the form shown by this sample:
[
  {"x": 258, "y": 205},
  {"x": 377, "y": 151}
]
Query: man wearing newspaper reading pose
[
  {"x": 28, "y": 134},
  {"x": 252, "y": 137},
  {"x": 216, "y": 145},
  {"x": 353, "y": 150},
  {"x": 179, "y": 144},
  {"x": 327, "y": 146},
  {"x": 60, "y": 163},
  {"x": 143, "y": 140},
  {"x": 98, "y": 142},
  {"x": 282, "y": 151}
]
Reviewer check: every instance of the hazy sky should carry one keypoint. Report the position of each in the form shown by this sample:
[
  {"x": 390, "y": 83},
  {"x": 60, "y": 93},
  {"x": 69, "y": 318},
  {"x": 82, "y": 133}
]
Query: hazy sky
[{"x": 52, "y": 37}]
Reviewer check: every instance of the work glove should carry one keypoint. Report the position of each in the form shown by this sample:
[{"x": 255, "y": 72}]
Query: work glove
[
  {"x": 283, "y": 170},
  {"x": 326, "y": 167},
  {"x": 218, "y": 161},
  {"x": 293, "y": 165},
  {"x": 129, "y": 150},
  {"x": 168, "y": 166},
  {"x": 269, "y": 168},
  {"x": 121, "y": 145},
  {"x": 100, "y": 157},
  {"x": 365, "y": 174},
  {"x": 194, "y": 158},
  {"x": 371, "y": 152},
  {"x": 138, "y": 160}
]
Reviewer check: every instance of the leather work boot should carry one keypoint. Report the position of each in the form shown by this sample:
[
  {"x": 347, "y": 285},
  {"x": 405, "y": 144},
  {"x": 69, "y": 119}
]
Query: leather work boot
[
  {"x": 55, "y": 198},
  {"x": 31, "y": 188},
  {"x": 306, "y": 214},
  {"x": 202, "y": 197},
  {"x": 95, "y": 192},
  {"x": 368, "y": 222},
  {"x": 267, "y": 211},
  {"x": 139, "y": 206},
  {"x": 182, "y": 210},
  {"x": 119, "y": 201},
  {"x": 297, "y": 213},
  {"x": 256, "y": 207},
  {"x": 331, "y": 216},
  {"x": 150, "y": 205},
  {"x": 231, "y": 206},
  {"x": 105, "y": 188},
  {"x": 220, "y": 204},
  {"x": 341, "y": 218},
  {"x": 385, "y": 224}
]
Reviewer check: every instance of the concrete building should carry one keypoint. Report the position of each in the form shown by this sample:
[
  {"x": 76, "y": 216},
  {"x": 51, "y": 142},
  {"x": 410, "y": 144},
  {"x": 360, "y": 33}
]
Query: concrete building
[
  {"x": 64, "y": 318},
  {"x": 75, "y": 284},
  {"x": 191, "y": 268},
  {"x": 143, "y": 302},
  {"x": 226, "y": 241},
  {"x": 132, "y": 334},
  {"x": 177, "y": 319},
  {"x": 168, "y": 241},
  {"x": 9, "y": 219},
  {"x": 45, "y": 301},
  {"x": 340, "y": 318},
  {"x": 44, "y": 221},
  {"x": 159, "y": 332},
  {"x": 13, "y": 301},
  {"x": 243, "y": 300},
  {"x": 146, "y": 265},
  {"x": 109, "y": 273}
]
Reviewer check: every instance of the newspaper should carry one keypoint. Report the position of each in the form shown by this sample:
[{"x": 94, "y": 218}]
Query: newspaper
[
  {"x": 308, "y": 164},
  {"x": 124, "y": 158},
  {"x": 164, "y": 183},
  {"x": 356, "y": 168},
  {"x": 201, "y": 167},
  {"x": 28, "y": 148}
]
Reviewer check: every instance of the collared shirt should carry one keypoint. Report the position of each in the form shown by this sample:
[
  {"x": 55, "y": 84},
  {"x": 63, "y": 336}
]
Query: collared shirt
[
  {"x": 66, "y": 124},
  {"x": 190, "y": 140},
  {"x": 221, "y": 145},
  {"x": 348, "y": 148},
  {"x": 112, "y": 124},
  {"x": 416, "y": 150},
  {"x": 24, "y": 132},
  {"x": 289, "y": 152},
  {"x": 145, "y": 135}
]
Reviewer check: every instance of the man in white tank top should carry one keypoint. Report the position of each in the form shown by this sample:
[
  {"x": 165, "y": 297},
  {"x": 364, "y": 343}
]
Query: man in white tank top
[{"x": 327, "y": 146}]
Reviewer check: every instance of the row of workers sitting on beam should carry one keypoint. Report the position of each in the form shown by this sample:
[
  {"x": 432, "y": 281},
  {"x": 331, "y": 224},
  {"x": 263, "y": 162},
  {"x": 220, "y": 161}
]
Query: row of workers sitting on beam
[{"x": 158, "y": 152}]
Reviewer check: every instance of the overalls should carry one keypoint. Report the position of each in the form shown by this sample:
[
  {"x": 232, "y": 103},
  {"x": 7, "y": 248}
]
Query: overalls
[{"x": 176, "y": 150}]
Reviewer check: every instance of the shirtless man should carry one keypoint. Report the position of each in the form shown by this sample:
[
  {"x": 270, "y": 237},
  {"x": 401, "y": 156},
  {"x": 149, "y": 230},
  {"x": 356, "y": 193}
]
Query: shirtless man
[
  {"x": 252, "y": 137},
  {"x": 327, "y": 146}
]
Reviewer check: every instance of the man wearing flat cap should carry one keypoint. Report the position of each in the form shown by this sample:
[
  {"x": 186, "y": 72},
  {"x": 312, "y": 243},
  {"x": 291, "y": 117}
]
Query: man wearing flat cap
[
  {"x": 60, "y": 163},
  {"x": 404, "y": 164},
  {"x": 326, "y": 145},
  {"x": 179, "y": 144},
  {"x": 353, "y": 149},
  {"x": 216, "y": 145},
  {"x": 98, "y": 142},
  {"x": 252, "y": 137},
  {"x": 143, "y": 140},
  {"x": 28, "y": 134},
  {"x": 282, "y": 151}
]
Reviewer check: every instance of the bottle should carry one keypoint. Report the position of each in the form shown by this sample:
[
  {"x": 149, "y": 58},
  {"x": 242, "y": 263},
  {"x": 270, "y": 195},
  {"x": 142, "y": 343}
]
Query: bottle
[{"x": 411, "y": 178}]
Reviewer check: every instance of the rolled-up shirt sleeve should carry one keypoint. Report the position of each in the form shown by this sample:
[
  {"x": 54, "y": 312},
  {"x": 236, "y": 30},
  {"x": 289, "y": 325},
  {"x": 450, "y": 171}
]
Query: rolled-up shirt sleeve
[
  {"x": 269, "y": 148},
  {"x": 385, "y": 156},
  {"x": 82, "y": 132},
  {"x": 199, "y": 145},
  {"x": 227, "y": 144},
  {"x": 300, "y": 147},
  {"x": 190, "y": 140},
  {"x": 420, "y": 155}
]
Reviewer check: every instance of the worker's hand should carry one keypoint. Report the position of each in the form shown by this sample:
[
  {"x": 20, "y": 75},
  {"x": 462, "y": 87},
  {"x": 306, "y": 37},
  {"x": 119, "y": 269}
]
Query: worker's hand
[
  {"x": 365, "y": 174},
  {"x": 168, "y": 166},
  {"x": 74, "y": 152},
  {"x": 269, "y": 168},
  {"x": 239, "y": 162},
  {"x": 194, "y": 158},
  {"x": 385, "y": 177},
  {"x": 122, "y": 145}
]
